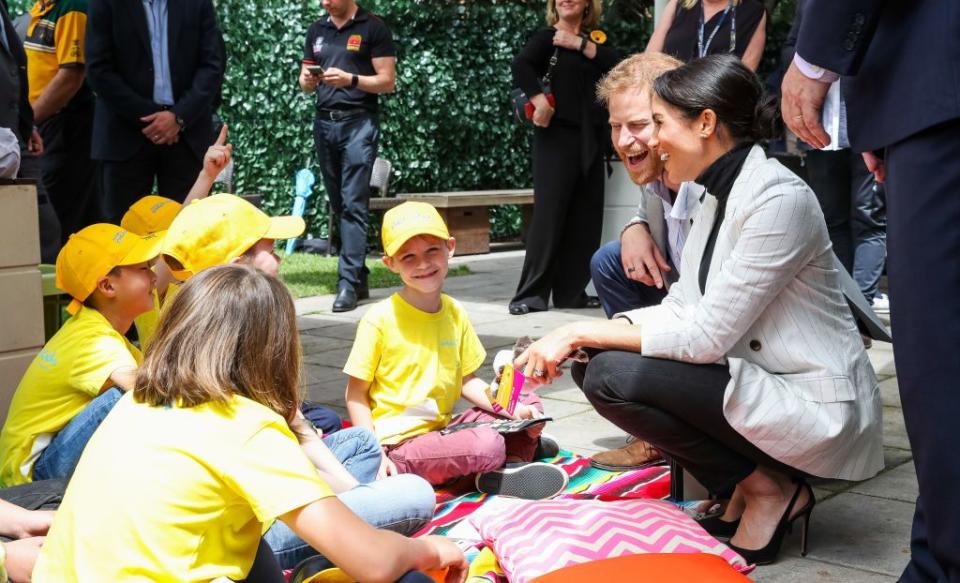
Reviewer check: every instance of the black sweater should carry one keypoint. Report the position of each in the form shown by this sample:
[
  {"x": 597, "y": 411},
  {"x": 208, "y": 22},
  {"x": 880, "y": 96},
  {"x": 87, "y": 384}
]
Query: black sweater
[{"x": 574, "y": 80}]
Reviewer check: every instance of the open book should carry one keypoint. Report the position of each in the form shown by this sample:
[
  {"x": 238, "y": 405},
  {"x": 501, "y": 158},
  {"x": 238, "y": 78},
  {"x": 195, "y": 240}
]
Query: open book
[{"x": 501, "y": 425}]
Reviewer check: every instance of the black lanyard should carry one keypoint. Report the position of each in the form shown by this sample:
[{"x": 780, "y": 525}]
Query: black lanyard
[{"x": 703, "y": 48}]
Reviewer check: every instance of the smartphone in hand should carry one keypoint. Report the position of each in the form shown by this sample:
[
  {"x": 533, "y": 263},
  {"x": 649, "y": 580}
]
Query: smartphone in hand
[{"x": 315, "y": 70}]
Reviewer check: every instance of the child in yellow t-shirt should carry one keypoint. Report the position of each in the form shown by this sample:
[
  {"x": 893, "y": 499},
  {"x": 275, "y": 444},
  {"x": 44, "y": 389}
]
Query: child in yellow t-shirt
[
  {"x": 415, "y": 355},
  {"x": 181, "y": 479},
  {"x": 66, "y": 392}
]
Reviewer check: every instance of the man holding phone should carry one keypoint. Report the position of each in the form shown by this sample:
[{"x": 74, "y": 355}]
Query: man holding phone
[{"x": 349, "y": 59}]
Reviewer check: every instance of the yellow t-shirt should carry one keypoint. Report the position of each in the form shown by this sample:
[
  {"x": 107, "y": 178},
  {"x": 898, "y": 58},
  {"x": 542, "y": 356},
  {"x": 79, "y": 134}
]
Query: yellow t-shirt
[
  {"x": 415, "y": 362},
  {"x": 147, "y": 322},
  {"x": 67, "y": 374},
  {"x": 55, "y": 40},
  {"x": 176, "y": 494}
]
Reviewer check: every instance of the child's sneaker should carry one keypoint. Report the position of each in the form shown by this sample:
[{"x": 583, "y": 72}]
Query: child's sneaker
[
  {"x": 534, "y": 481},
  {"x": 547, "y": 448}
]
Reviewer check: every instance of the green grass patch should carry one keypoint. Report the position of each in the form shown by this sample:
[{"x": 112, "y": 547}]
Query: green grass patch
[{"x": 307, "y": 274}]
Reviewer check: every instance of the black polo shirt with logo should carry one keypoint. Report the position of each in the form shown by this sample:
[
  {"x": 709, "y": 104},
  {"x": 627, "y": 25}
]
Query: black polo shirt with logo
[{"x": 352, "y": 49}]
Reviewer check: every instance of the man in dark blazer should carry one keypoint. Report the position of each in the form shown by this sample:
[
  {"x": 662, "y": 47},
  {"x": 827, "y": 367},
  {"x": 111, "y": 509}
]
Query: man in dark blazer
[
  {"x": 156, "y": 69},
  {"x": 901, "y": 63}
]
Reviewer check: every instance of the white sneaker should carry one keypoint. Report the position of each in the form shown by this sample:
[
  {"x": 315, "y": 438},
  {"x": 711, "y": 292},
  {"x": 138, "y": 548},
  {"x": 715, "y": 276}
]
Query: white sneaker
[{"x": 881, "y": 304}]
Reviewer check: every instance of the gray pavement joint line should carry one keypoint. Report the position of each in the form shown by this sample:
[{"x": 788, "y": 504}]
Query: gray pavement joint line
[{"x": 842, "y": 566}]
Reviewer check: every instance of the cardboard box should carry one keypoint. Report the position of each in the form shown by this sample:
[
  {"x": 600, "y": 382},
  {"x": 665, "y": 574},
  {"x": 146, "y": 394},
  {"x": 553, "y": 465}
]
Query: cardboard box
[
  {"x": 12, "y": 367},
  {"x": 21, "y": 308},
  {"x": 19, "y": 225}
]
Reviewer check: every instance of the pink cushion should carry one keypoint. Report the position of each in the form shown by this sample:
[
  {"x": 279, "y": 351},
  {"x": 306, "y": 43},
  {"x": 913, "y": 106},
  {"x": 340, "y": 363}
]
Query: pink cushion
[{"x": 531, "y": 538}]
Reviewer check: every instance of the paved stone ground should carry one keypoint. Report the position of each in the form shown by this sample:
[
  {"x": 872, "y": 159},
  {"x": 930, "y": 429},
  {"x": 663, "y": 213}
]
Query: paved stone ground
[{"x": 859, "y": 532}]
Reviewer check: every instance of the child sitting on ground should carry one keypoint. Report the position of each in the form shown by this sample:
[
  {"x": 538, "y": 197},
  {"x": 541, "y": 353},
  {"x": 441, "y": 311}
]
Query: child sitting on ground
[
  {"x": 415, "y": 354},
  {"x": 225, "y": 229},
  {"x": 82, "y": 371},
  {"x": 180, "y": 480}
]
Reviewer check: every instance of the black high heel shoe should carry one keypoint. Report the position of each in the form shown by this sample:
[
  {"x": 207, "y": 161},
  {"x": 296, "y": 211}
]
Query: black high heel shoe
[
  {"x": 719, "y": 528},
  {"x": 768, "y": 553}
]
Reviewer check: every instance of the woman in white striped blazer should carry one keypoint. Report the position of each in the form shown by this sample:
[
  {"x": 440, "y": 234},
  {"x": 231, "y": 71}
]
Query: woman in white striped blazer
[{"x": 751, "y": 374}]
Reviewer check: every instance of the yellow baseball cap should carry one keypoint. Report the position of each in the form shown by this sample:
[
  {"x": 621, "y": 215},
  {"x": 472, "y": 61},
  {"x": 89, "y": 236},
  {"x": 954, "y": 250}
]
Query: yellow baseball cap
[
  {"x": 407, "y": 220},
  {"x": 211, "y": 231},
  {"x": 150, "y": 214},
  {"x": 93, "y": 252}
]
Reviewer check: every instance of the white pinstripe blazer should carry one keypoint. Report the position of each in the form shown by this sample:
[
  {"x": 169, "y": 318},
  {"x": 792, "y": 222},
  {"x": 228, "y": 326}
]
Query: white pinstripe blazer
[{"x": 802, "y": 388}]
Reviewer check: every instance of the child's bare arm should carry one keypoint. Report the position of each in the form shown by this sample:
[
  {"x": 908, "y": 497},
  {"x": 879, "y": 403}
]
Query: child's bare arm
[
  {"x": 358, "y": 407},
  {"x": 214, "y": 161},
  {"x": 369, "y": 554},
  {"x": 358, "y": 403},
  {"x": 124, "y": 377},
  {"x": 474, "y": 390},
  {"x": 328, "y": 466}
]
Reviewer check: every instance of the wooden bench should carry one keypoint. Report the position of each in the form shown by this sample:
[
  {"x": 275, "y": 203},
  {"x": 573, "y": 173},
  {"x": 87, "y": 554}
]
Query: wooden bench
[{"x": 467, "y": 213}]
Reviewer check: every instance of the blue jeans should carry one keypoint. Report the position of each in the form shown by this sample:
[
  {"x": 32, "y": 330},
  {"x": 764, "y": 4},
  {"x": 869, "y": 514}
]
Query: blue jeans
[
  {"x": 617, "y": 292},
  {"x": 60, "y": 458},
  {"x": 347, "y": 149},
  {"x": 403, "y": 504},
  {"x": 358, "y": 450}
]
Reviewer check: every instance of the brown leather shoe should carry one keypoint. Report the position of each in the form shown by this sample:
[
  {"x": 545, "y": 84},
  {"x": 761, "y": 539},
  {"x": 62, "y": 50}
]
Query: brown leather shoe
[{"x": 634, "y": 455}]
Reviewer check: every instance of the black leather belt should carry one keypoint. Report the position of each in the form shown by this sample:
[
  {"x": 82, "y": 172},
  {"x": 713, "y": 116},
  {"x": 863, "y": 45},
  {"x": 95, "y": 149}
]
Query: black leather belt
[{"x": 339, "y": 114}]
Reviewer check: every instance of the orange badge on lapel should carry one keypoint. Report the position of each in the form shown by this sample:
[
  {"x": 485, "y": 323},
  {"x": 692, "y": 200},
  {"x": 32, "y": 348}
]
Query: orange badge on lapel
[{"x": 353, "y": 43}]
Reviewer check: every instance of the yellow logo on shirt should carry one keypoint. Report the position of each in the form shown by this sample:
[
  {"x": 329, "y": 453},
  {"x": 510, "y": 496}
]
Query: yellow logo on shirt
[{"x": 353, "y": 43}]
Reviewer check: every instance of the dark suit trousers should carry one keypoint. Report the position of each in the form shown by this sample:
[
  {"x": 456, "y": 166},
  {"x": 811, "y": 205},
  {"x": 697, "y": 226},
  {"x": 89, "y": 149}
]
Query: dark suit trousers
[
  {"x": 923, "y": 265},
  {"x": 678, "y": 407},
  {"x": 835, "y": 177},
  {"x": 69, "y": 174},
  {"x": 567, "y": 219},
  {"x": 173, "y": 169}
]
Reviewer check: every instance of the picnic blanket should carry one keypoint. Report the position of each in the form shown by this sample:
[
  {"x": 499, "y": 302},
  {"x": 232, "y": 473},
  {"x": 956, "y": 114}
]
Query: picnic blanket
[{"x": 460, "y": 500}]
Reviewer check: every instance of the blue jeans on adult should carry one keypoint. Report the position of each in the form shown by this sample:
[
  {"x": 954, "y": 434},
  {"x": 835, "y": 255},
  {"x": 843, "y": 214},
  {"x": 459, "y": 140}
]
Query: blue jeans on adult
[
  {"x": 59, "y": 459},
  {"x": 617, "y": 292},
  {"x": 347, "y": 149},
  {"x": 402, "y": 503},
  {"x": 869, "y": 225}
]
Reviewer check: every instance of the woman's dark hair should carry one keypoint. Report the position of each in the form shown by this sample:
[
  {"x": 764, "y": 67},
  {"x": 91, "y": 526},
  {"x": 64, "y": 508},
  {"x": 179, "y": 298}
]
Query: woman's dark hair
[{"x": 725, "y": 85}]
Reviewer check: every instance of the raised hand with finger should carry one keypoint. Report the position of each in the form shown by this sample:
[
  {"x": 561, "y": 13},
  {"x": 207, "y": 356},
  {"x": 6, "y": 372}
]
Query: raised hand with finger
[{"x": 218, "y": 155}]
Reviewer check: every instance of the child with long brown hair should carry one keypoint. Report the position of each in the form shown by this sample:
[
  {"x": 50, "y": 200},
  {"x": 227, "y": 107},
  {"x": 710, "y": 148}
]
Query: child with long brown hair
[{"x": 181, "y": 479}]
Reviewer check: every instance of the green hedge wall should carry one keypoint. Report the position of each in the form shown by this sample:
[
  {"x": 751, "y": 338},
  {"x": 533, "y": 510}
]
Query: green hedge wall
[{"x": 448, "y": 125}]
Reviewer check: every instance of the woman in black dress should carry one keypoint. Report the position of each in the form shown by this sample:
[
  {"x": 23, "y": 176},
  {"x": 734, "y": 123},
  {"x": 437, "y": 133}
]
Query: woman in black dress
[
  {"x": 569, "y": 139},
  {"x": 691, "y": 29}
]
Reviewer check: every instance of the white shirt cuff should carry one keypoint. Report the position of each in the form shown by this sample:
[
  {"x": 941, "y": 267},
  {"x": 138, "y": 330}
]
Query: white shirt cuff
[{"x": 815, "y": 72}]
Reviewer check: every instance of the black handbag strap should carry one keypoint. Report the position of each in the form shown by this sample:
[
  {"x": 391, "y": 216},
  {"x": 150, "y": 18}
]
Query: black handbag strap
[{"x": 553, "y": 62}]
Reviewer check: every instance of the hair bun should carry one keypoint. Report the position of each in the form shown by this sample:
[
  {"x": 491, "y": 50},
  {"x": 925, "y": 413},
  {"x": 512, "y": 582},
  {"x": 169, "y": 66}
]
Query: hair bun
[{"x": 766, "y": 118}]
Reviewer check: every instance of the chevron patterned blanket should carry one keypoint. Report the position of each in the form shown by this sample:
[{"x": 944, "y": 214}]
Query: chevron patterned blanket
[{"x": 460, "y": 500}]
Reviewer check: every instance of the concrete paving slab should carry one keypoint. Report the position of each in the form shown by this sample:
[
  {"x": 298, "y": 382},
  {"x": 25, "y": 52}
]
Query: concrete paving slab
[
  {"x": 560, "y": 393},
  {"x": 881, "y": 356},
  {"x": 335, "y": 357},
  {"x": 860, "y": 532},
  {"x": 894, "y": 431},
  {"x": 561, "y": 410},
  {"x": 314, "y": 374},
  {"x": 586, "y": 433},
  {"x": 316, "y": 343},
  {"x": 799, "y": 570},
  {"x": 892, "y": 458},
  {"x": 900, "y": 483},
  {"x": 890, "y": 392}
]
